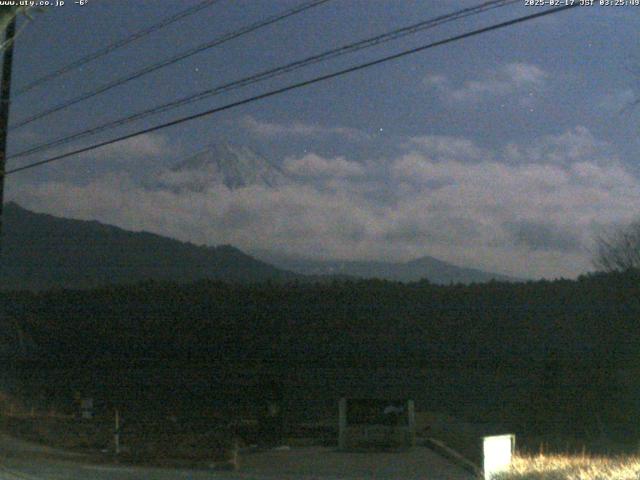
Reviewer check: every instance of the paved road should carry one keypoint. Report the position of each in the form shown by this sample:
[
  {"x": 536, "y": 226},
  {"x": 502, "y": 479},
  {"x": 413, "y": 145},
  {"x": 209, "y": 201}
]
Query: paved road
[{"x": 21, "y": 461}]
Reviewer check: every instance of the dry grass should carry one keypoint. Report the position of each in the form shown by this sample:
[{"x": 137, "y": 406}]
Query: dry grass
[{"x": 573, "y": 467}]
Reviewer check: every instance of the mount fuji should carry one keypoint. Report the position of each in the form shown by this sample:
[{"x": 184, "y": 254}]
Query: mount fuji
[{"x": 227, "y": 164}]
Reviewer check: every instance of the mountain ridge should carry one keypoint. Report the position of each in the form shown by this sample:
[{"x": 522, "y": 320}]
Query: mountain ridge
[
  {"x": 42, "y": 251},
  {"x": 426, "y": 267}
]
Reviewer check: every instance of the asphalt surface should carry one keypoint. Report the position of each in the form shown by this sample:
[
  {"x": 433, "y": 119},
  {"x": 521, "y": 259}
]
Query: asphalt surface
[{"x": 23, "y": 461}]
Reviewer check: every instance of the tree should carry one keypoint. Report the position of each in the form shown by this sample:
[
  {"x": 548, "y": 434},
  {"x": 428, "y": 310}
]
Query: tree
[{"x": 619, "y": 250}]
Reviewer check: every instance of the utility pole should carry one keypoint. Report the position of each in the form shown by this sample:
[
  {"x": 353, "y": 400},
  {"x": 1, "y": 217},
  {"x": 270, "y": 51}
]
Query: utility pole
[{"x": 5, "y": 95}]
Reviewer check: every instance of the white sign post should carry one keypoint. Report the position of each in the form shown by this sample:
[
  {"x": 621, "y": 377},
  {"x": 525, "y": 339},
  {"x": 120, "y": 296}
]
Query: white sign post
[{"x": 497, "y": 451}]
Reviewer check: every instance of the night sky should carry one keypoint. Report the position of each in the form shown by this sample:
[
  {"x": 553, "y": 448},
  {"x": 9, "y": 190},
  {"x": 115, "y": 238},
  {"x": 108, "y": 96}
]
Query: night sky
[{"x": 508, "y": 151}]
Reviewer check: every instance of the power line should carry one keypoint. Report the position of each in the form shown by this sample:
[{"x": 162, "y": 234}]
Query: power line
[
  {"x": 264, "y": 75},
  {"x": 170, "y": 61},
  {"x": 116, "y": 45},
  {"x": 296, "y": 86}
]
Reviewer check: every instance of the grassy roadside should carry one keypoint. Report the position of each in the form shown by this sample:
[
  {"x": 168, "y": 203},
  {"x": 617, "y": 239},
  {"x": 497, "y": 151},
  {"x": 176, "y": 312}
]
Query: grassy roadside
[
  {"x": 573, "y": 467},
  {"x": 543, "y": 457}
]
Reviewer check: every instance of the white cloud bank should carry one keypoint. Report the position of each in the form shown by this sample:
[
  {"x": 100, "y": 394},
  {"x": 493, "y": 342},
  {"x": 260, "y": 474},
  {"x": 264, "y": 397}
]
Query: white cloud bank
[
  {"x": 150, "y": 145},
  {"x": 312, "y": 165},
  {"x": 523, "y": 210},
  {"x": 506, "y": 80}
]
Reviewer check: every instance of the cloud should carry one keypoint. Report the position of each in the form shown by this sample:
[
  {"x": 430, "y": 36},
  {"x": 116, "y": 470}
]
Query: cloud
[
  {"x": 294, "y": 217},
  {"x": 150, "y": 145},
  {"x": 312, "y": 165},
  {"x": 538, "y": 235},
  {"x": 146, "y": 151},
  {"x": 444, "y": 146},
  {"x": 269, "y": 129},
  {"x": 436, "y": 81},
  {"x": 618, "y": 101},
  {"x": 450, "y": 198},
  {"x": 573, "y": 145},
  {"x": 507, "y": 80}
]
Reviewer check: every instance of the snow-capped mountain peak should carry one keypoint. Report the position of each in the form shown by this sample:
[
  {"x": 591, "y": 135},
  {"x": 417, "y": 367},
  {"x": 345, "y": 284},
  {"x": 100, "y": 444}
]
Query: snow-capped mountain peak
[{"x": 234, "y": 166}]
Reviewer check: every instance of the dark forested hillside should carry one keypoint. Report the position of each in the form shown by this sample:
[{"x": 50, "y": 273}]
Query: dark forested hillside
[
  {"x": 419, "y": 322},
  {"x": 42, "y": 251},
  {"x": 499, "y": 349}
]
